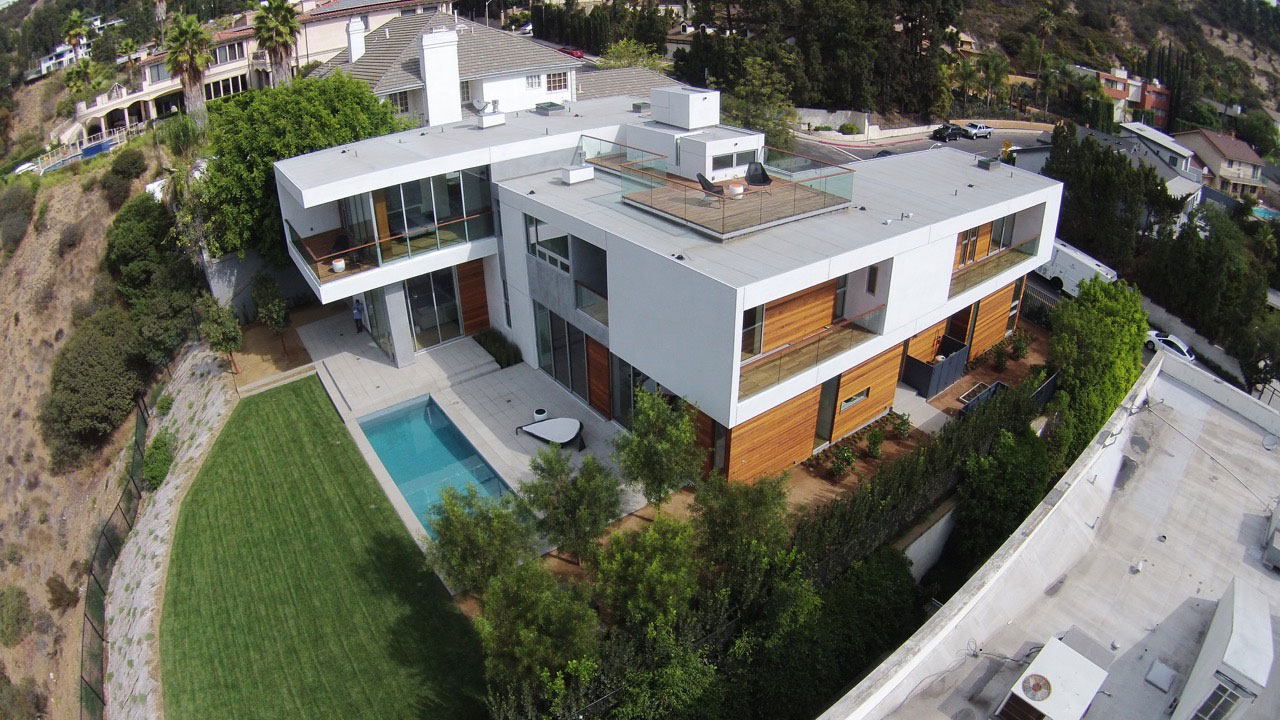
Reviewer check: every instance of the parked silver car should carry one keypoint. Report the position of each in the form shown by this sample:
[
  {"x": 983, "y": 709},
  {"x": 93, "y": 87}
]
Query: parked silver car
[{"x": 1171, "y": 344}]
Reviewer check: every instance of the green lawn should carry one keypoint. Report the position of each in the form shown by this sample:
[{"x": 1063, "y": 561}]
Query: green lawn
[{"x": 294, "y": 591}]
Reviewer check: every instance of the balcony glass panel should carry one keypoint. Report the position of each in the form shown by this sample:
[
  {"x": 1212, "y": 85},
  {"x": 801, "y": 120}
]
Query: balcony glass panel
[
  {"x": 767, "y": 370},
  {"x": 591, "y": 302},
  {"x": 983, "y": 269}
]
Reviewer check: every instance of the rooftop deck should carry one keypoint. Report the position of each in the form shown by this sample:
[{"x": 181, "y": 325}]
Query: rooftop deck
[{"x": 799, "y": 187}]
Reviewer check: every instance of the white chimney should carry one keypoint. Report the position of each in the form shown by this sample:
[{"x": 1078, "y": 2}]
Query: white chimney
[
  {"x": 441, "y": 93},
  {"x": 355, "y": 38}
]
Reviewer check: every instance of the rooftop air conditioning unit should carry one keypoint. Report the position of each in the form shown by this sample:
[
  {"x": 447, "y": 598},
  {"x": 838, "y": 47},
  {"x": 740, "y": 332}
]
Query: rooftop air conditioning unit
[{"x": 640, "y": 107}]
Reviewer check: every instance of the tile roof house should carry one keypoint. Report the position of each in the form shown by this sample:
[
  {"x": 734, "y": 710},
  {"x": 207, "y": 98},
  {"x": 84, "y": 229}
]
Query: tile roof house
[{"x": 1235, "y": 167}]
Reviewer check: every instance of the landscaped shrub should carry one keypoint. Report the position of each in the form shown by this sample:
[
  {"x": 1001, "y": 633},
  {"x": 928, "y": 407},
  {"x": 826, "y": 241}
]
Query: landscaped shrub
[
  {"x": 70, "y": 238},
  {"x": 61, "y": 596},
  {"x": 822, "y": 128},
  {"x": 95, "y": 377},
  {"x": 155, "y": 467},
  {"x": 17, "y": 203},
  {"x": 139, "y": 249},
  {"x": 116, "y": 189},
  {"x": 504, "y": 352},
  {"x": 901, "y": 425},
  {"x": 180, "y": 134},
  {"x": 875, "y": 441},
  {"x": 1019, "y": 347},
  {"x": 164, "y": 405},
  {"x": 15, "y": 615},
  {"x": 999, "y": 358},
  {"x": 849, "y": 129},
  {"x": 129, "y": 163}
]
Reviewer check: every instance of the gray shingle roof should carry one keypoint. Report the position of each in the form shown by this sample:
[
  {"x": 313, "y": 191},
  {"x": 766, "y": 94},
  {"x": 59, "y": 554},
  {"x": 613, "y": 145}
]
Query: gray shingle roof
[
  {"x": 596, "y": 83},
  {"x": 390, "y": 62},
  {"x": 351, "y": 7}
]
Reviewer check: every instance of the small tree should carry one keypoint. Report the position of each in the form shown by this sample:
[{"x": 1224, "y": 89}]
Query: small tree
[
  {"x": 575, "y": 508},
  {"x": 476, "y": 538},
  {"x": 273, "y": 311},
  {"x": 221, "y": 328},
  {"x": 645, "y": 575},
  {"x": 661, "y": 453},
  {"x": 998, "y": 490},
  {"x": 531, "y": 626},
  {"x": 762, "y": 101},
  {"x": 630, "y": 53}
]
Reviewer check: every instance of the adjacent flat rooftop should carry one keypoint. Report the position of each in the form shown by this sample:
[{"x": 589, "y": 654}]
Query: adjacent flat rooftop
[
  {"x": 930, "y": 186},
  {"x": 1194, "y": 470}
]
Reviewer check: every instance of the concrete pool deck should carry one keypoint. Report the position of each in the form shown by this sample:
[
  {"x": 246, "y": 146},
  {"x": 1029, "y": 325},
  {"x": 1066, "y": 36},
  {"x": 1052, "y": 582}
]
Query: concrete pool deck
[{"x": 486, "y": 403}]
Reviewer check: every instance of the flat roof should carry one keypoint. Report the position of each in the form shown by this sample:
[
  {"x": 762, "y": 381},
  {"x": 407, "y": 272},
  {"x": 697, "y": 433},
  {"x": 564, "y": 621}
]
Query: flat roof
[
  {"x": 366, "y": 164},
  {"x": 1195, "y": 478},
  {"x": 1072, "y": 681},
  {"x": 932, "y": 185},
  {"x": 1149, "y": 133},
  {"x": 1249, "y": 647}
]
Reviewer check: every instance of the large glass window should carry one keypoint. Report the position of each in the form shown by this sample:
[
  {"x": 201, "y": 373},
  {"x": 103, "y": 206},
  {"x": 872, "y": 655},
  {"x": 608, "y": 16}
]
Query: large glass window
[
  {"x": 356, "y": 214},
  {"x": 1219, "y": 704},
  {"x": 546, "y": 244},
  {"x": 752, "y": 331},
  {"x": 624, "y": 380},
  {"x": 477, "y": 202},
  {"x": 158, "y": 72},
  {"x": 375, "y": 318},
  {"x": 562, "y": 350},
  {"x": 1002, "y": 234},
  {"x": 427, "y": 214},
  {"x": 433, "y": 308},
  {"x": 557, "y": 81}
]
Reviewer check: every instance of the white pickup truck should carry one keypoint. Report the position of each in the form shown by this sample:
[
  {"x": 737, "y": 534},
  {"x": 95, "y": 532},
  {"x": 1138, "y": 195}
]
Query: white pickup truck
[{"x": 1068, "y": 267}]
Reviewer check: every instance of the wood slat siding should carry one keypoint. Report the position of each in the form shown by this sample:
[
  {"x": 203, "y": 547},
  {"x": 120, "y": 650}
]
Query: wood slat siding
[
  {"x": 704, "y": 431},
  {"x": 774, "y": 441},
  {"x": 472, "y": 296},
  {"x": 380, "y": 213},
  {"x": 993, "y": 317},
  {"x": 924, "y": 345},
  {"x": 798, "y": 315},
  {"x": 880, "y": 373},
  {"x": 599, "y": 389}
]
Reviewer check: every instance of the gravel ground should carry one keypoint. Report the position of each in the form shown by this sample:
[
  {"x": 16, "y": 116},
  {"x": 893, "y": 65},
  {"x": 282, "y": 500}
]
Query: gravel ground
[{"x": 203, "y": 398}]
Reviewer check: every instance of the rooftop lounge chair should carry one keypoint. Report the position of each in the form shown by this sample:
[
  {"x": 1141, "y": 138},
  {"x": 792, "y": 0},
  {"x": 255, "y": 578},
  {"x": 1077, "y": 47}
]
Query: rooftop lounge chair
[
  {"x": 709, "y": 187},
  {"x": 757, "y": 176}
]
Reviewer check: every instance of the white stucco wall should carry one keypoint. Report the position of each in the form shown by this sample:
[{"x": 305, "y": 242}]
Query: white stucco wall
[{"x": 513, "y": 94}]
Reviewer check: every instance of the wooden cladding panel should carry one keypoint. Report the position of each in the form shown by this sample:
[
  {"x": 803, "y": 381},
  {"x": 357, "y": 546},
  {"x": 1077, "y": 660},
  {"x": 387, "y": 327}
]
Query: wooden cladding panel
[
  {"x": 380, "y": 213},
  {"x": 472, "y": 296},
  {"x": 924, "y": 345},
  {"x": 992, "y": 320},
  {"x": 880, "y": 373},
  {"x": 599, "y": 390},
  {"x": 772, "y": 442},
  {"x": 704, "y": 432},
  {"x": 798, "y": 315}
]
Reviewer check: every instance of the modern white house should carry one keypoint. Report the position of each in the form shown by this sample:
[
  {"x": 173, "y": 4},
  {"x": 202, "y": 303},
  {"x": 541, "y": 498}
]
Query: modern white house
[
  {"x": 786, "y": 313},
  {"x": 64, "y": 54}
]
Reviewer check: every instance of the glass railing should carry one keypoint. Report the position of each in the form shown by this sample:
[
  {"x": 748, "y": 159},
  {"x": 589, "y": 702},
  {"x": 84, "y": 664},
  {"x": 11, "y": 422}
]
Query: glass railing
[
  {"x": 797, "y": 186},
  {"x": 985, "y": 268},
  {"x": 591, "y": 302},
  {"x": 331, "y": 254},
  {"x": 765, "y": 371}
]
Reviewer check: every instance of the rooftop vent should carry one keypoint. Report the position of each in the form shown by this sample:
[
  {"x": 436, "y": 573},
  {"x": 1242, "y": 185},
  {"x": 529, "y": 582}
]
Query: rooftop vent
[
  {"x": 550, "y": 108},
  {"x": 988, "y": 163},
  {"x": 641, "y": 107},
  {"x": 574, "y": 174}
]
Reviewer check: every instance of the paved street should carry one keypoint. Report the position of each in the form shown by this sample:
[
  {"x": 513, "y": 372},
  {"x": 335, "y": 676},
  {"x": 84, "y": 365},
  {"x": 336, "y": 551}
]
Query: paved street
[{"x": 911, "y": 143}]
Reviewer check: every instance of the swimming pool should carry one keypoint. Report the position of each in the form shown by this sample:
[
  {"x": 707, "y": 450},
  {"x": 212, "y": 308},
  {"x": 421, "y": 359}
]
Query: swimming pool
[
  {"x": 424, "y": 453},
  {"x": 1266, "y": 213}
]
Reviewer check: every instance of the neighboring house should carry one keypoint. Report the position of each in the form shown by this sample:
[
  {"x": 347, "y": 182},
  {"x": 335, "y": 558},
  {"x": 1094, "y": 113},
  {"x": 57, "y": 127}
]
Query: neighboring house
[
  {"x": 785, "y": 314},
  {"x": 1141, "y": 145},
  {"x": 1129, "y": 93},
  {"x": 1236, "y": 169},
  {"x": 491, "y": 71},
  {"x": 64, "y": 55},
  {"x": 1137, "y": 589},
  {"x": 237, "y": 65}
]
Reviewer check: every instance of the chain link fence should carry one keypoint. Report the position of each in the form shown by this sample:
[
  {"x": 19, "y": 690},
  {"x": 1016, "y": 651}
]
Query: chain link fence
[{"x": 116, "y": 527}]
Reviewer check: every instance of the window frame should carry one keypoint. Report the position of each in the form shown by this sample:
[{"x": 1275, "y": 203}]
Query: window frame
[
  {"x": 533, "y": 82},
  {"x": 753, "y": 323},
  {"x": 399, "y": 101},
  {"x": 464, "y": 91},
  {"x": 852, "y": 400},
  {"x": 558, "y": 81},
  {"x": 873, "y": 279}
]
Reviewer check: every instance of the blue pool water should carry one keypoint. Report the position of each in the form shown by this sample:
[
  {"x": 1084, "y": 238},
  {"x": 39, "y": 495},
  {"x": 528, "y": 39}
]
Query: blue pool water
[
  {"x": 425, "y": 453},
  {"x": 1266, "y": 213}
]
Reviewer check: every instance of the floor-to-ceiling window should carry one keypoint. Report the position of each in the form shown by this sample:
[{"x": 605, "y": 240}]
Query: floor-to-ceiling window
[
  {"x": 376, "y": 322},
  {"x": 562, "y": 350},
  {"x": 433, "y": 308},
  {"x": 422, "y": 215}
]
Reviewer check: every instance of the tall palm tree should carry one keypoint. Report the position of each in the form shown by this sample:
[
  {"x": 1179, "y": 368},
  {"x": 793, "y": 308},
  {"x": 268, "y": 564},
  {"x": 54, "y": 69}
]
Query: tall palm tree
[
  {"x": 967, "y": 79},
  {"x": 79, "y": 75},
  {"x": 1045, "y": 23},
  {"x": 995, "y": 71},
  {"x": 75, "y": 31},
  {"x": 187, "y": 43},
  {"x": 1052, "y": 80},
  {"x": 126, "y": 49},
  {"x": 276, "y": 29}
]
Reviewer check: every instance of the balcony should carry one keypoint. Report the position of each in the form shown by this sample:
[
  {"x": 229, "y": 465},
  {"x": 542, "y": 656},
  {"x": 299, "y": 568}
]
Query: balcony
[
  {"x": 332, "y": 255},
  {"x": 591, "y": 302},
  {"x": 801, "y": 186},
  {"x": 765, "y": 371},
  {"x": 983, "y": 269}
]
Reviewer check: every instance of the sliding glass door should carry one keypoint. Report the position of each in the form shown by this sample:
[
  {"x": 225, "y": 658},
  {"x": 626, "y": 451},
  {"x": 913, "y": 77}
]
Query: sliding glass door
[{"x": 433, "y": 308}]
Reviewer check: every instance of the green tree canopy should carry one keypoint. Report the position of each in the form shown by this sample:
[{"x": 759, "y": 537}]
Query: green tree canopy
[
  {"x": 660, "y": 454},
  {"x": 476, "y": 538},
  {"x": 249, "y": 132},
  {"x": 531, "y": 626},
  {"x": 650, "y": 574},
  {"x": 997, "y": 492},
  {"x": 575, "y": 508},
  {"x": 220, "y": 328},
  {"x": 761, "y": 100},
  {"x": 628, "y": 52},
  {"x": 187, "y": 44},
  {"x": 1259, "y": 130}
]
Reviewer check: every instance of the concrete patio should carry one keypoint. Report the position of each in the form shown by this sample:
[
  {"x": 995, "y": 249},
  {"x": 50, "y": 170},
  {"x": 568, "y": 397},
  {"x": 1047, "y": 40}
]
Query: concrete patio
[{"x": 486, "y": 403}]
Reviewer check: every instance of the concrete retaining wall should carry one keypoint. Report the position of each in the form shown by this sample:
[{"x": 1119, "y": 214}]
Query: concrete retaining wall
[
  {"x": 231, "y": 279},
  {"x": 925, "y": 550}
]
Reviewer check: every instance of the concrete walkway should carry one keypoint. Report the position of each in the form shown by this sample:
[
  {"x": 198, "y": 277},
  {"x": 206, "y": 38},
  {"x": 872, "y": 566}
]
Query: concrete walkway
[{"x": 923, "y": 415}]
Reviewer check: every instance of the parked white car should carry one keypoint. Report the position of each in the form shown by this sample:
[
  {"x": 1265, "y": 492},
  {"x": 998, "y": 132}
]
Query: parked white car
[
  {"x": 1171, "y": 344},
  {"x": 24, "y": 168},
  {"x": 1069, "y": 266},
  {"x": 974, "y": 130}
]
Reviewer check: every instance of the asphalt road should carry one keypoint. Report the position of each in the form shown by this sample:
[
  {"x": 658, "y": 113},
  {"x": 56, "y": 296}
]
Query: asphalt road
[{"x": 911, "y": 143}]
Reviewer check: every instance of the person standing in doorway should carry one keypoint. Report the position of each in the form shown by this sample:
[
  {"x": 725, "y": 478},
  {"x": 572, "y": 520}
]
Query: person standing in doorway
[{"x": 357, "y": 312}]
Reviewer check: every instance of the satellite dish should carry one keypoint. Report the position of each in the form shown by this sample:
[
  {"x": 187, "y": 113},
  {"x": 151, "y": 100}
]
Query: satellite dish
[{"x": 1036, "y": 687}]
